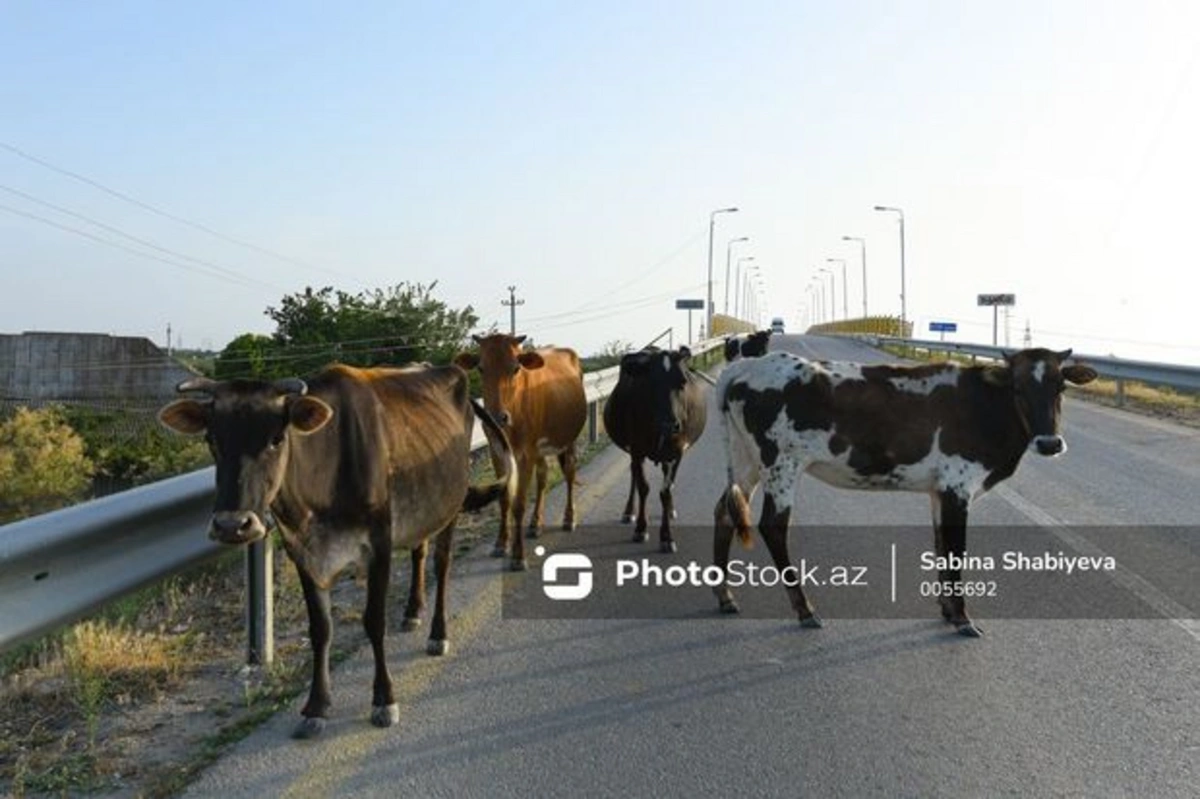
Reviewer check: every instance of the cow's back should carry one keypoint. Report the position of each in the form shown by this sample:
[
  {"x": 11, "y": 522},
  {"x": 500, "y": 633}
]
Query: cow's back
[{"x": 550, "y": 407}]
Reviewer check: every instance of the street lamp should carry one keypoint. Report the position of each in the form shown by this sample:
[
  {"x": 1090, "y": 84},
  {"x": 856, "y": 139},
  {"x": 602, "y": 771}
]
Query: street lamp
[
  {"x": 751, "y": 271},
  {"x": 845, "y": 291},
  {"x": 862, "y": 243},
  {"x": 832, "y": 293},
  {"x": 821, "y": 290},
  {"x": 737, "y": 287},
  {"x": 903, "y": 306},
  {"x": 728, "y": 252},
  {"x": 712, "y": 221}
]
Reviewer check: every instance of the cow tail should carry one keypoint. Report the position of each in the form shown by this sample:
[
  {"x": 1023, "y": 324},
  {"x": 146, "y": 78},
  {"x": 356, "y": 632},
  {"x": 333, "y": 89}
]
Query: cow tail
[
  {"x": 505, "y": 483},
  {"x": 736, "y": 503},
  {"x": 738, "y": 509}
]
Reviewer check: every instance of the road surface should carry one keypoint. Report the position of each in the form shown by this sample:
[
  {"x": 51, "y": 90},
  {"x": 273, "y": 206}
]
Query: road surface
[{"x": 710, "y": 705}]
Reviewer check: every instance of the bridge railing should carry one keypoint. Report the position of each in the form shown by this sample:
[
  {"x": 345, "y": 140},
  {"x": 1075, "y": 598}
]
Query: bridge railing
[
  {"x": 1118, "y": 369},
  {"x": 61, "y": 566}
]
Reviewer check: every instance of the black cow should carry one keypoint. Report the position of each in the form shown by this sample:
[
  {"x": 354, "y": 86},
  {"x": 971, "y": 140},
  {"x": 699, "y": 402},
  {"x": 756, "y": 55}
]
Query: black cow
[
  {"x": 949, "y": 431},
  {"x": 350, "y": 464},
  {"x": 656, "y": 411},
  {"x": 747, "y": 345}
]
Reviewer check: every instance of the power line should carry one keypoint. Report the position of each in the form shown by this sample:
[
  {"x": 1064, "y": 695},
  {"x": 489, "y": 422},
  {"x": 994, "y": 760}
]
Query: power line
[
  {"x": 160, "y": 212},
  {"x": 144, "y": 242},
  {"x": 200, "y": 270}
]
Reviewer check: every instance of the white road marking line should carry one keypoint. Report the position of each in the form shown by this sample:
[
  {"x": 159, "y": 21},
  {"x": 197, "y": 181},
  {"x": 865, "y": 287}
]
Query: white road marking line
[{"x": 1137, "y": 585}]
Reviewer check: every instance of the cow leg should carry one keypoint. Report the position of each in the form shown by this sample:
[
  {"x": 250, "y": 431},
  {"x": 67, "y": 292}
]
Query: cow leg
[
  {"x": 666, "y": 544},
  {"x": 637, "y": 468},
  {"x": 320, "y": 625},
  {"x": 524, "y": 473},
  {"x": 500, "y": 548},
  {"x": 627, "y": 516},
  {"x": 950, "y": 538},
  {"x": 541, "y": 472},
  {"x": 384, "y": 710},
  {"x": 439, "y": 644},
  {"x": 722, "y": 538},
  {"x": 773, "y": 525},
  {"x": 568, "y": 461},
  {"x": 416, "y": 590}
]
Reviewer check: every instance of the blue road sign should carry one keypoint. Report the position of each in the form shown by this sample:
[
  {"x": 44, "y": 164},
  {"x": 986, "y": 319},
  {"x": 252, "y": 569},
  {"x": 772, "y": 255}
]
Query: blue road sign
[{"x": 943, "y": 327}]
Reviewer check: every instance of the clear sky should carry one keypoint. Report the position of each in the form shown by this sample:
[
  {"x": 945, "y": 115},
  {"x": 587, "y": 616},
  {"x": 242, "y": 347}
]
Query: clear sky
[{"x": 575, "y": 149}]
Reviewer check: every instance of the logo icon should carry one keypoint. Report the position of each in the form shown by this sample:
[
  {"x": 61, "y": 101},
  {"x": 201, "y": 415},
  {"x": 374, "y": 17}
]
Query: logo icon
[{"x": 577, "y": 562}]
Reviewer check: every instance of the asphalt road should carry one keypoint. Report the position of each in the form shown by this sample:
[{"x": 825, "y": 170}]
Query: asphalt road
[{"x": 709, "y": 705}]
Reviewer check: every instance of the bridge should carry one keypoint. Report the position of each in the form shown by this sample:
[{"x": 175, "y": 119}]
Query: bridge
[{"x": 683, "y": 701}]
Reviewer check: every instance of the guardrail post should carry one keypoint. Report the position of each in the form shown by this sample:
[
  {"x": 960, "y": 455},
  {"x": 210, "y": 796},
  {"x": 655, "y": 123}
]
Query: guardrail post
[
  {"x": 260, "y": 603},
  {"x": 1120, "y": 392}
]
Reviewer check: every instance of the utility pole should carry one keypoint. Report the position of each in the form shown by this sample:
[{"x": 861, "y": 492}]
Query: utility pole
[
  {"x": 168, "y": 339},
  {"x": 1028, "y": 342},
  {"x": 512, "y": 302}
]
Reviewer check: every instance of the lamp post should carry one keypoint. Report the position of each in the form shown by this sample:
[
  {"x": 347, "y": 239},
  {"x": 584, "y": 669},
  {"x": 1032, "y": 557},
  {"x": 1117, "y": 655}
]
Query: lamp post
[
  {"x": 845, "y": 291},
  {"x": 737, "y": 287},
  {"x": 832, "y": 293},
  {"x": 728, "y": 252},
  {"x": 862, "y": 243},
  {"x": 813, "y": 304},
  {"x": 903, "y": 306},
  {"x": 712, "y": 221},
  {"x": 821, "y": 290},
  {"x": 750, "y": 272}
]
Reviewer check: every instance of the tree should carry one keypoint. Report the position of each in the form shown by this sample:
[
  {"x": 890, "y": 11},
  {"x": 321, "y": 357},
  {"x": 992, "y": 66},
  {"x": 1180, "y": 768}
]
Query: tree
[
  {"x": 397, "y": 325},
  {"x": 248, "y": 355},
  {"x": 42, "y": 464}
]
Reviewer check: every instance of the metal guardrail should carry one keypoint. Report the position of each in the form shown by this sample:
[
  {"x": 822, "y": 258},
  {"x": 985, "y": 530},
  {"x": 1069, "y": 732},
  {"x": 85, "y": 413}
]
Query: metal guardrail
[
  {"x": 61, "y": 566},
  {"x": 1119, "y": 369}
]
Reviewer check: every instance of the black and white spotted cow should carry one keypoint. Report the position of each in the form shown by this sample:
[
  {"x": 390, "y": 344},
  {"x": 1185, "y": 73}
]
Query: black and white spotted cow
[
  {"x": 949, "y": 431},
  {"x": 747, "y": 345}
]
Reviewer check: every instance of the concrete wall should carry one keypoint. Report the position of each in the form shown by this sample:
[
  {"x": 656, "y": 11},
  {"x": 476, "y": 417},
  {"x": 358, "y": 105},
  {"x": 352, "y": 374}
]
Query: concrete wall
[{"x": 85, "y": 367}]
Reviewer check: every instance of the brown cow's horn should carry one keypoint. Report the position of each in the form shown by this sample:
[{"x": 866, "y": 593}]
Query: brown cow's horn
[
  {"x": 478, "y": 339},
  {"x": 204, "y": 384},
  {"x": 290, "y": 385},
  {"x": 1062, "y": 356}
]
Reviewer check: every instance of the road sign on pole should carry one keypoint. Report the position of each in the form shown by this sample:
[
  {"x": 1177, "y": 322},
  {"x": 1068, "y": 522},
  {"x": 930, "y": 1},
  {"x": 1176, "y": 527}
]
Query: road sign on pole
[
  {"x": 943, "y": 328},
  {"x": 996, "y": 300},
  {"x": 689, "y": 306}
]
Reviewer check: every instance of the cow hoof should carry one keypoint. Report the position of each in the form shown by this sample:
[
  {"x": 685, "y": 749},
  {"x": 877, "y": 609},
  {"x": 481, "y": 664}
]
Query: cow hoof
[
  {"x": 499, "y": 551},
  {"x": 812, "y": 622},
  {"x": 568, "y": 527},
  {"x": 385, "y": 715},
  {"x": 517, "y": 565},
  {"x": 638, "y": 538},
  {"x": 410, "y": 623},
  {"x": 667, "y": 547},
  {"x": 309, "y": 727},
  {"x": 626, "y": 518},
  {"x": 969, "y": 630},
  {"x": 532, "y": 532},
  {"x": 730, "y": 607},
  {"x": 437, "y": 647},
  {"x": 674, "y": 514}
]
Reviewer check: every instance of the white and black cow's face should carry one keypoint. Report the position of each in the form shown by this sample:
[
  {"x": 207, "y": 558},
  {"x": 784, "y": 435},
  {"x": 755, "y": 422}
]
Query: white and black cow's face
[
  {"x": 1038, "y": 378},
  {"x": 248, "y": 426}
]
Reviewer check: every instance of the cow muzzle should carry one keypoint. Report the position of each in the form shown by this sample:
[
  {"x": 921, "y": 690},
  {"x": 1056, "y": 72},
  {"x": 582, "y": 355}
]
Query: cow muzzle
[
  {"x": 1050, "y": 446},
  {"x": 236, "y": 527}
]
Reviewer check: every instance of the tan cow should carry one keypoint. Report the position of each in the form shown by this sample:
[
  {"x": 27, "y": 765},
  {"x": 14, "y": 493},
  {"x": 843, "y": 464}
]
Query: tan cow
[{"x": 537, "y": 397}]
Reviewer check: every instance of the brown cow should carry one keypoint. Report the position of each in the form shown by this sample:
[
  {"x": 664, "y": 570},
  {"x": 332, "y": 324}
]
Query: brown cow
[
  {"x": 350, "y": 464},
  {"x": 537, "y": 397}
]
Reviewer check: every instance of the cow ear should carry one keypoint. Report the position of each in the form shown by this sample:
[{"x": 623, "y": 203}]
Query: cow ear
[
  {"x": 308, "y": 414},
  {"x": 1062, "y": 356},
  {"x": 466, "y": 361},
  {"x": 684, "y": 355},
  {"x": 520, "y": 339},
  {"x": 1079, "y": 374},
  {"x": 997, "y": 375},
  {"x": 531, "y": 360},
  {"x": 478, "y": 339},
  {"x": 187, "y": 416}
]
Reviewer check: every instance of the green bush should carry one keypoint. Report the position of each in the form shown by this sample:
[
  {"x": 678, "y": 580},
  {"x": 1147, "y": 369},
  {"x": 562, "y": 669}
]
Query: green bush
[{"x": 43, "y": 464}]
